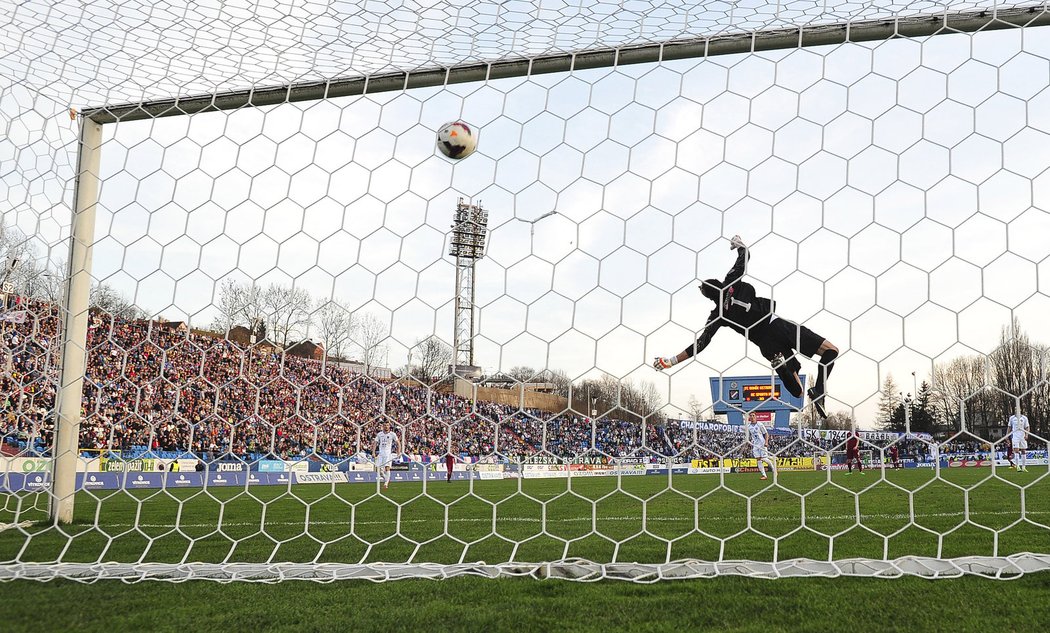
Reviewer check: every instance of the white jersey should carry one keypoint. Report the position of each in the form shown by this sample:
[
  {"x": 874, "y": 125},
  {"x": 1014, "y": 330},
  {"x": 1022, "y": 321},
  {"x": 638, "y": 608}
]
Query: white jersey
[
  {"x": 1019, "y": 431},
  {"x": 756, "y": 433},
  {"x": 1018, "y": 426},
  {"x": 386, "y": 441}
]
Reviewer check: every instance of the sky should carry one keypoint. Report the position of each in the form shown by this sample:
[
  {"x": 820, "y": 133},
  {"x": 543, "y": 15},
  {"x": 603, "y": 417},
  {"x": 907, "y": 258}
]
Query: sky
[{"x": 895, "y": 195}]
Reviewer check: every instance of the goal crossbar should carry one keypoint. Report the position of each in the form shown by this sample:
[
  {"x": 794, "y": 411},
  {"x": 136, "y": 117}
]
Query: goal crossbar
[{"x": 725, "y": 44}]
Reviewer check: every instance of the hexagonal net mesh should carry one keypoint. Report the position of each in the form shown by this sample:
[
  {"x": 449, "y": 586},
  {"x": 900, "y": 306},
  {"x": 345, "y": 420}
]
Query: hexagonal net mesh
[{"x": 255, "y": 327}]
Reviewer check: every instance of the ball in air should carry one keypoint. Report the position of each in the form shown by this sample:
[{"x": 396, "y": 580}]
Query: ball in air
[{"x": 457, "y": 140}]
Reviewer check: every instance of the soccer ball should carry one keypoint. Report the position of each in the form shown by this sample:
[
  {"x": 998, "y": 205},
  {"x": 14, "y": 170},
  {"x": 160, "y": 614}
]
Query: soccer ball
[{"x": 457, "y": 140}]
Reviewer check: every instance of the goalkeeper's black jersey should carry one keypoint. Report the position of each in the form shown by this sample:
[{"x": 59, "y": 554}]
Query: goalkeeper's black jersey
[{"x": 739, "y": 309}]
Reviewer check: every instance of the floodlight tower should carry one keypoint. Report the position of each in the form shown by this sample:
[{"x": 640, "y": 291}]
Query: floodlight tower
[{"x": 469, "y": 228}]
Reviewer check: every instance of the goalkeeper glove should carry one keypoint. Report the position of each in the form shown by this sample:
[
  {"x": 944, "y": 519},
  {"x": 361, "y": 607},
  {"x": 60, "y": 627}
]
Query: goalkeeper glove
[
  {"x": 736, "y": 243},
  {"x": 661, "y": 364}
]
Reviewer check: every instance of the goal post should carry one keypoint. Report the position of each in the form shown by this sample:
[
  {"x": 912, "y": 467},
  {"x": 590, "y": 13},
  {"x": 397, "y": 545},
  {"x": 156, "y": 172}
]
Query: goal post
[
  {"x": 252, "y": 283},
  {"x": 73, "y": 363}
]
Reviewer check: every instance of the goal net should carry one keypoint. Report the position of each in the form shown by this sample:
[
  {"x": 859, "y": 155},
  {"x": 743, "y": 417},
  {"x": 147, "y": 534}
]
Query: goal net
[{"x": 256, "y": 327}]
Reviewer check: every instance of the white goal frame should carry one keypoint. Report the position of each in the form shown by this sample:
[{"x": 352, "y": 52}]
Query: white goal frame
[{"x": 75, "y": 309}]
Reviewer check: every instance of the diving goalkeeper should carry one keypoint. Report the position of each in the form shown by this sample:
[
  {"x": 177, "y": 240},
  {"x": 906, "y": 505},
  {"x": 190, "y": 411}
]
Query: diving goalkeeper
[{"x": 738, "y": 308}]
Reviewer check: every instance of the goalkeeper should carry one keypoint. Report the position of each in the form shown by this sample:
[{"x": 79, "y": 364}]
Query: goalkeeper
[{"x": 738, "y": 308}]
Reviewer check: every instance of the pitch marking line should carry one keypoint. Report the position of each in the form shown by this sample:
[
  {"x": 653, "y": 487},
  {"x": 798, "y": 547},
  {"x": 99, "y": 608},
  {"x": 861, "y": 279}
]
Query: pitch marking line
[{"x": 581, "y": 519}]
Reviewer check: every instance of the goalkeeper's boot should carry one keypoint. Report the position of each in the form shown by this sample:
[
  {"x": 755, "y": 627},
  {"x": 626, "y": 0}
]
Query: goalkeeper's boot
[
  {"x": 817, "y": 399},
  {"x": 787, "y": 369}
]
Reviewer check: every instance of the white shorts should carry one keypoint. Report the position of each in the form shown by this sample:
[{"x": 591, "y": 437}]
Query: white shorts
[
  {"x": 384, "y": 460},
  {"x": 1020, "y": 444},
  {"x": 759, "y": 452}
]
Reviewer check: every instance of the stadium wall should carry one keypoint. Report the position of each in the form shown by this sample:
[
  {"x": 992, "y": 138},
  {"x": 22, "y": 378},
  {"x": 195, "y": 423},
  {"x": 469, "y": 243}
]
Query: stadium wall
[{"x": 517, "y": 396}]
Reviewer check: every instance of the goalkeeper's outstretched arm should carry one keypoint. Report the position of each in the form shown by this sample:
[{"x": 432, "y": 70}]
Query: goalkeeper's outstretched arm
[
  {"x": 739, "y": 269},
  {"x": 702, "y": 341},
  {"x": 712, "y": 289}
]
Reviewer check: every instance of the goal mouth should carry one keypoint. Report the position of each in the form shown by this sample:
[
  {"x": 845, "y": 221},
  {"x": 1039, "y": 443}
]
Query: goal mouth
[{"x": 263, "y": 319}]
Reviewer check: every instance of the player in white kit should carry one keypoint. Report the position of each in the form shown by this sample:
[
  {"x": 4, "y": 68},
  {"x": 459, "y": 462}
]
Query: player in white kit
[
  {"x": 385, "y": 442},
  {"x": 758, "y": 438},
  {"x": 1019, "y": 428}
]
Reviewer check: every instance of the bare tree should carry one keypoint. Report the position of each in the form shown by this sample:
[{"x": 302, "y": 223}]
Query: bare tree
[
  {"x": 106, "y": 298},
  {"x": 19, "y": 258},
  {"x": 429, "y": 359},
  {"x": 806, "y": 419},
  {"x": 1018, "y": 369},
  {"x": 560, "y": 380},
  {"x": 228, "y": 307},
  {"x": 23, "y": 269},
  {"x": 241, "y": 304},
  {"x": 649, "y": 397},
  {"x": 287, "y": 313},
  {"x": 631, "y": 402},
  {"x": 696, "y": 409},
  {"x": 839, "y": 420},
  {"x": 334, "y": 325},
  {"x": 983, "y": 391},
  {"x": 523, "y": 373},
  {"x": 47, "y": 284},
  {"x": 962, "y": 392},
  {"x": 368, "y": 334}
]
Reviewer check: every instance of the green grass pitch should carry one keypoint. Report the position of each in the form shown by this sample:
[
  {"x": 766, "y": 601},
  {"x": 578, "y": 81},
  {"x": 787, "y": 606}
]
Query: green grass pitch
[
  {"x": 648, "y": 519},
  {"x": 645, "y": 519}
]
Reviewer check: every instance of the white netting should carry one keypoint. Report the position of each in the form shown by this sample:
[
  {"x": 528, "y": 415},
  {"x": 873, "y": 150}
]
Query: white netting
[
  {"x": 126, "y": 51},
  {"x": 270, "y": 286}
]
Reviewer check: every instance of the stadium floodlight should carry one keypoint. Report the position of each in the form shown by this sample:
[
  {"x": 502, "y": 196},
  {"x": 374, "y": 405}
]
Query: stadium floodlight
[{"x": 467, "y": 246}]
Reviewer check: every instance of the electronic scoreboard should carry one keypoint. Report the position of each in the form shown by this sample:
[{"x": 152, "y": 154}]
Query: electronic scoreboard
[
  {"x": 760, "y": 393},
  {"x": 734, "y": 395}
]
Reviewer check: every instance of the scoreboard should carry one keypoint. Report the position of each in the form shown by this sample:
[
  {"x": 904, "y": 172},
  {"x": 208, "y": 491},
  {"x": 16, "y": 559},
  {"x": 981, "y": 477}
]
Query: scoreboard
[
  {"x": 760, "y": 393},
  {"x": 734, "y": 395}
]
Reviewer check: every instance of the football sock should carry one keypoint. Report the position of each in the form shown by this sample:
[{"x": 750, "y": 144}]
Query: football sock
[
  {"x": 827, "y": 363},
  {"x": 788, "y": 372}
]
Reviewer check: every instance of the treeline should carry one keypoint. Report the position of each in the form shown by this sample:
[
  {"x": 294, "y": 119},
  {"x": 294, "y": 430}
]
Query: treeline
[
  {"x": 978, "y": 391},
  {"x": 32, "y": 275},
  {"x": 283, "y": 316}
]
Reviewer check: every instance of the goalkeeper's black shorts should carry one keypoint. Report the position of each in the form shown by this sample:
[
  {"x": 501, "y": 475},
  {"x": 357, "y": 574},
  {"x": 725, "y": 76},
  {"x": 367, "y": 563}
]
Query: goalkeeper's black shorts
[{"x": 784, "y": 337}]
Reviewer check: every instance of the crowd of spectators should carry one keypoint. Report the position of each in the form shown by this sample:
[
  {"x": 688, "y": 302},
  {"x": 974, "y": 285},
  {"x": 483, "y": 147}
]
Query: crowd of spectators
[{"x": 154, "y": 388}]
